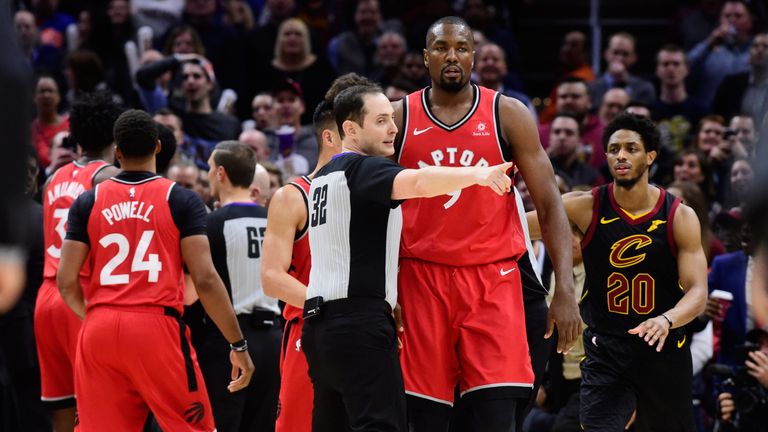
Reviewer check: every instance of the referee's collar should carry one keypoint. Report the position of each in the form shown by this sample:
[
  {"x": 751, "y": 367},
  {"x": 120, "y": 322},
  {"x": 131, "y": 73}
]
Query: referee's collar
[{"x": 334, "y": 157}]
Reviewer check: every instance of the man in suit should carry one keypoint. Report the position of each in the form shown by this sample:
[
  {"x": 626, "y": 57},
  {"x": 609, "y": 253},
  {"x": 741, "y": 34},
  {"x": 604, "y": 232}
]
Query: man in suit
[
  {"x": 747, "y": 92},
  {"x": 619, "y": 57}
]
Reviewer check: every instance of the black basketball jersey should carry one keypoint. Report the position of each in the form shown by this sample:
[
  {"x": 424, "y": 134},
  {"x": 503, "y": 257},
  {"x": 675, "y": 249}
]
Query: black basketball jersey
[{"x": 631, "y": 264}]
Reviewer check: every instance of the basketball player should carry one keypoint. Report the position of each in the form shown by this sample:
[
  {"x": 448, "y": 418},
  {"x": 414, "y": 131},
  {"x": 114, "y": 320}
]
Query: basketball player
[
  {"x": 133, "y": 352},
  {"x": 646, "y": 279},
  {"x": 56, "y": 327},
  {"x": 349, "y": 335},
  {"x": 459, "y": 251},
  {"x": 235, "y": 233},
  {"x": 286, "y": 265}
]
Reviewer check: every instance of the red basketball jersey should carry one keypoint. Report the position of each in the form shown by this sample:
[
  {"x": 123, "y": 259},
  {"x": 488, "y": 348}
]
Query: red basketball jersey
[
  {"x": 301, "y": 260},
  {"x": 472, "y": 226},
  {"x": 67, "y": 183},
  {"x": 135, "y": 246}
]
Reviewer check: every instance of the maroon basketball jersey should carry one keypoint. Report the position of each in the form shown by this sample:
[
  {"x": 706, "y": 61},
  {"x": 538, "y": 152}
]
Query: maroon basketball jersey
[
  {"x": 135, "y": 245},
  {"x": 471, "y": 226}
]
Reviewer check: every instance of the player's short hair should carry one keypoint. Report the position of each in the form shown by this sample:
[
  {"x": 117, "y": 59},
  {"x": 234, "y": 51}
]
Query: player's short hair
[
  {"x": 238, "y": 160},
  {"x": 136, "y": 134},
  {"x": 643, "y": 126},
  {"x": 92, "y": 118},
  {"x": 447, "y": 20},
  {"x": 344, "y": 82},
  {"x": 349, "y": 105},
  {"x": 323, "y": 118},
  {"x": 167, "y": 148}
]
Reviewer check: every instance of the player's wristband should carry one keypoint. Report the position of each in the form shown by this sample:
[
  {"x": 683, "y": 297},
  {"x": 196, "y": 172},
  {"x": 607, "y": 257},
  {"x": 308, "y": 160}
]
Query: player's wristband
[
  {"x": 668, "y": 320},
  {"x": 239, "y": 346}
]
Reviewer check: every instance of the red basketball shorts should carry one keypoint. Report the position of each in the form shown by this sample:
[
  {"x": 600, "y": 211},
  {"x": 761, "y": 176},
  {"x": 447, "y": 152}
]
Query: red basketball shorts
[
  {"x": 296, "y": 392},
  {"x": 132, "y": 360},
  {"x": 463, "y": 325},
  {"x": 56, "y": 330}
]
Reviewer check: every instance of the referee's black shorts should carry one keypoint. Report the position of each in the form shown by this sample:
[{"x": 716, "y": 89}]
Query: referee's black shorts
[{"x": 351, "y": 349}]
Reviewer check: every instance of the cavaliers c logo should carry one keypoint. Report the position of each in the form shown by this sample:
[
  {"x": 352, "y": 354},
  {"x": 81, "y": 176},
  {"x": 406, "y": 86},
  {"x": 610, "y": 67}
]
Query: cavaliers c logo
[{"x": 621, "y": 256}]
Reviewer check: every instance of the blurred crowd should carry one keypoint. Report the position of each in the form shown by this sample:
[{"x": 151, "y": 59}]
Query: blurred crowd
[{"x": 254, "y": 70}]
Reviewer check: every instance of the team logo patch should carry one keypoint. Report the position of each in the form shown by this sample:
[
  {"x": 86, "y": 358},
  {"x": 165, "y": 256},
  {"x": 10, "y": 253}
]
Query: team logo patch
[
  {"x": 481, "y": 129},
  {"x": 195, "y": 413},
  {"x": 655, "y": 224}
]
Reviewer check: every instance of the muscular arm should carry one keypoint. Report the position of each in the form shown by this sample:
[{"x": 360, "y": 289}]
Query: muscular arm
[
  {"x": 692, "y": 266},
  {"x": 433, "y": 181},
  {"x": 521, "y": 133},
  {"x": 287, "y": 216},
  {"x": 73, "y": 255},
  {"x": 578, "y": 209},
  {"x": 106, "y": 173}
]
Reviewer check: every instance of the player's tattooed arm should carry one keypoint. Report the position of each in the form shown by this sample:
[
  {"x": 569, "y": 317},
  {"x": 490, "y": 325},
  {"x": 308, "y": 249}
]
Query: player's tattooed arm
[
  {"x": 73, "y": 255},
  {"x": 522, "y": 135},
  {"x": 287, "y": 216},
  {"x": 692, "y": 267}
]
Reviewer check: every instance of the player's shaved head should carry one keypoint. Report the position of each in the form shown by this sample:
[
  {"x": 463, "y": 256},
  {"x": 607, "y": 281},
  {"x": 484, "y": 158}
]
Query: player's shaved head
[{"x": 437, "y": 28}]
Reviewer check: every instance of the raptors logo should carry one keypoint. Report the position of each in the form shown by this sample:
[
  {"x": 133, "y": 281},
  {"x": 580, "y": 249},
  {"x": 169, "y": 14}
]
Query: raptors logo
[{"x": 195, "y": 413}]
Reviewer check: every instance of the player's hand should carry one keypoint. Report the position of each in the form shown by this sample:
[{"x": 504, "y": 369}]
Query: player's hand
[
  {"x": 496, "y": 177},
  {"x": 397, "y": 314},
  {"x": 727, "y": 406},
  {"x": 757, "y": 366},
  {"x": 564, "y": 313},
  {"x": 242, "y": 369},
  {"x": 653, "y": 330}
]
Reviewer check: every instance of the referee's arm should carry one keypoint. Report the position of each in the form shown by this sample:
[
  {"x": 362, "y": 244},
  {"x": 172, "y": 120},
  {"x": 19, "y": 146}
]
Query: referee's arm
[
  {"x": 433, "y": 181},
  {"x": 287, "y": 216}
]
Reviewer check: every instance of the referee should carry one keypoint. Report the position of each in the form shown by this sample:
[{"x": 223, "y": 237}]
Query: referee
[
  {"x": 235, "y": 232},
  {"x": 349, "y": 334}
]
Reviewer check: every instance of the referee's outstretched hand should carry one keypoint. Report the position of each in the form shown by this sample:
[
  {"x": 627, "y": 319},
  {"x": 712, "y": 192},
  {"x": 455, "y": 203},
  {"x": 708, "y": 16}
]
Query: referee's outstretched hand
[
  {"x": 242, "y": 370},
  {"x": 496, "y": 177}
]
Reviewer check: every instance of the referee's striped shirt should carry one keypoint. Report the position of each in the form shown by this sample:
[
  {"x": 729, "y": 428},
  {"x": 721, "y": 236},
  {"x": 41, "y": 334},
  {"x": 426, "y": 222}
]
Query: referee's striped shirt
[{"x": 354, "y": 229}]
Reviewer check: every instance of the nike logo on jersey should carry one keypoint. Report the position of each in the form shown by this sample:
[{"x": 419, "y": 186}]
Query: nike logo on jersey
[
  {"x": 506, "y": 272},
  {"x": 605, "y": 221},
  {"x": 417, "y": 131},
  {"x": 681, "y": 342},
  {"x": 655, "y": 224}
]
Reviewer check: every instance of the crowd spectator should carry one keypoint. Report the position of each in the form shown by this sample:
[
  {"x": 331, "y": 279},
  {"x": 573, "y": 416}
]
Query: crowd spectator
[
  {"x": 199, "y": 118},
  {"x": 49, "y": 122},
  {"x": 413, "y": 71},
  {"x": 675, "y": 110},
  {"x": 742, "y": 179},
  {"x": 691, "y": 194},
  {"x": 573, "y": 96},
  {"x": 747, "y": 92},
  {"x": 724, "y": 52},
  {"x": 565, "y": 151},
  {"x": 264, "y": 112},
  {"x": 51, "y": 22},
  {"x": 619, "y": 57},
  {"x": 302, "y": 148},
  {"x": 491, "y": 70},
  {"x": 257, "y": 141},
  {"x": 699, "y": 22},
  {"x": 84, "y": 73},
  {"x": 692, "y": 166},
  {"x": 293, "y": 59},
  {"x": 744, "y": 128},
  {"x": 614, "y": 102},
  {"x": 390, "y": 51},
  {"x": 353, "y": 50},
  {"x": 159, "y": 15},
  {"x": 573, "y": 61}
]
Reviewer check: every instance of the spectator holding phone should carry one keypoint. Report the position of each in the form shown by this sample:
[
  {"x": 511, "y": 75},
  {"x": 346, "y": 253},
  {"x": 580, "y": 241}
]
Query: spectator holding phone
[{"x": 48, "y": 122}]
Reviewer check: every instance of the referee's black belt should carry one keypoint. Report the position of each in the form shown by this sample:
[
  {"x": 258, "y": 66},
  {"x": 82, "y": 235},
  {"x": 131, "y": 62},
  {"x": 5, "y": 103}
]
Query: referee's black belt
[
  {"x": 316, "y": 306},
  {"x": 259, "y": 319}
]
